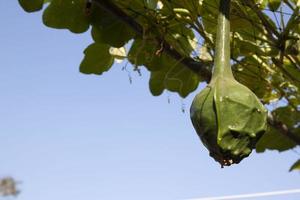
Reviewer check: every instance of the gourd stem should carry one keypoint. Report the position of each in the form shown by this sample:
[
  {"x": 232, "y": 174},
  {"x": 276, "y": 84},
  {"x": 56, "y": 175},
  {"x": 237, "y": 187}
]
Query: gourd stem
[{"x": 222, "y": 48}]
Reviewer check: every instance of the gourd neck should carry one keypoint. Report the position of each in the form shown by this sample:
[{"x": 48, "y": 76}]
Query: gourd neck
[{"x": 222, "y": 48}]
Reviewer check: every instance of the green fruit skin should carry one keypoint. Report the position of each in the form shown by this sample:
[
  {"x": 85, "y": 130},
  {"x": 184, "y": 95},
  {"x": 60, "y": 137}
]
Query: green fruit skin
[{"x": 229, "y": 120}]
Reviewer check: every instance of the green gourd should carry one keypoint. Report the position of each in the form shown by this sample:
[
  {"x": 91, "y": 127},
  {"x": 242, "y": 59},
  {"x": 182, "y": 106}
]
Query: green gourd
[{"x": 227, "y": 116}]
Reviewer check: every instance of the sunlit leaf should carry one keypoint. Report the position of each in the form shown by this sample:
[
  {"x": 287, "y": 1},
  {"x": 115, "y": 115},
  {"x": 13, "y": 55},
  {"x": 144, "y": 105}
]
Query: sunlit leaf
[{"x": 118, "y": 53}]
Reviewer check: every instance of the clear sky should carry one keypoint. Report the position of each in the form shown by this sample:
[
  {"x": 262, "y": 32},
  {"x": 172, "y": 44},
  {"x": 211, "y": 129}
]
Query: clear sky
[{"x": 66, "y": 135}]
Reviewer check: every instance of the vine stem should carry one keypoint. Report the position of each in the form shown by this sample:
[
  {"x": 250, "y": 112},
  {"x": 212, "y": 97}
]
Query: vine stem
[{"x": 222, "y": 49}]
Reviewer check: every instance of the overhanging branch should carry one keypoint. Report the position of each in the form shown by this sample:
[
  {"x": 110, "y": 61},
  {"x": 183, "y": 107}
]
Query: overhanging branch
[{"x": 196, "y": 66}]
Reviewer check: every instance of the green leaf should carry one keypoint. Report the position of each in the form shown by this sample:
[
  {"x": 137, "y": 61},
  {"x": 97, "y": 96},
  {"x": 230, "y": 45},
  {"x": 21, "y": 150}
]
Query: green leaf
[
  {"x": 142, "y": 52},
  {"x": 109, "y": 29},
  {"x": 152, "y": 4},
  {"x": 67, "y": 14},
  {"x": 295, "y": 166},
  {"x": 288, "y": 115},
  {"x": 172, "y": 76},
  {"x": 262, "y": 4},
  {"x": 31, "y": 5},
  {"x": 274, "y": 140},
  {"x": 209, "y": 15},
  {"x": 292, "y": 69},
  {"x": 97, "y": 35},
  {"x": 274, "y": 4},
  {"x": 180, "y": 38},
  {"x": 97, "y": 59},
  {"x": 239, "y": 18},
  {"x": 252, "y": 74}
]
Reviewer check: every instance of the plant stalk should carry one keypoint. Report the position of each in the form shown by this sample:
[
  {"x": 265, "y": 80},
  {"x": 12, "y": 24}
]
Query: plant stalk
[{"x": 222, "y": 48}]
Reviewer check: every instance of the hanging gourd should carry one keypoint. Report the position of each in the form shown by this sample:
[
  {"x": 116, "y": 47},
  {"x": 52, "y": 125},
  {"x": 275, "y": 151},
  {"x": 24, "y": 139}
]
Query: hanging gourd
[{"x": 227, "y": 116}]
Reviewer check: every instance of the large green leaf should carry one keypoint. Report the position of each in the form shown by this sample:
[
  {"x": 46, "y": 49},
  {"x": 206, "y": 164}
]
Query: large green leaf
[
  {"x": 97, "y": 59},
  {"x": 209, "y": 15},
  {"x": 293, "y": 70},
  {"x": 172, "y": 76},
  {"x": 67, "y": 14},
  {"x": 288, "y": 115},
  {"x": 295, "y": 166},
  {"x": 244, "y": 47},
  {"x": 253, "y": 74},
  {"x": 143, "y": 52},
  {"x": 273, "y": 139},
  {"x": 31, "y": 5},
  {"x": 180, "y": 37},
  {"x": 242, "y": 18},
  {"x": 109, "y": 29}
]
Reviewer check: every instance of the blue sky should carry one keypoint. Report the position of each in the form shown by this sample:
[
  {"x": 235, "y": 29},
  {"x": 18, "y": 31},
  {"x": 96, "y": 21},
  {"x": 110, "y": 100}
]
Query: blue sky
[{"x": 66, "y": 135}]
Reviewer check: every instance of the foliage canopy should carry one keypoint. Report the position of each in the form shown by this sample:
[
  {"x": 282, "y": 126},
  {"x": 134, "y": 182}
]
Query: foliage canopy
[{"x": 175, "y": 41}]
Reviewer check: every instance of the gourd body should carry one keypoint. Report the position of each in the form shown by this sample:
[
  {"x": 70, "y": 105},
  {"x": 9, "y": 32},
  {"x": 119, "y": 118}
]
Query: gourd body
[
  {"x": 226, "y": 115},
  {"x": 229, "y": 120}
]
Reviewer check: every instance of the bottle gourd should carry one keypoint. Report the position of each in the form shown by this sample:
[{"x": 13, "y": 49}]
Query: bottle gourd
[{"x": 226, "y": 115}]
